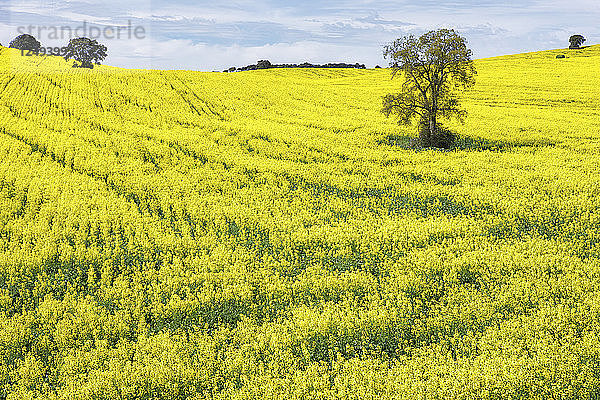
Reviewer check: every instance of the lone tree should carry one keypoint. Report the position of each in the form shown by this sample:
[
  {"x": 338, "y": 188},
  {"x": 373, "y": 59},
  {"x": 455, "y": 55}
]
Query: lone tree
[
  {"x": 434, "y": 67},
  {"x": 85, "y": 51},
  {"x": 25, "y": 42},
  {"x": 576, "y": 41}
]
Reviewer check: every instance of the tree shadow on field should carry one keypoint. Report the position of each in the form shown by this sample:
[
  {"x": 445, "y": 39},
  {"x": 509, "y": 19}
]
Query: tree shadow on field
[
  {"x": 465, "y": 143},
  {"x": 481, "y": 144},
  {"x": 397, "y": 139}
]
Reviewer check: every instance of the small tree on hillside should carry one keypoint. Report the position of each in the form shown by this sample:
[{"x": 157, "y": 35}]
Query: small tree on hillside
[
  {"x": 433, "y": 66},
  {"x": 25, "y": 42},
  {"x": 576, "y": 41},
  {"x": 85, "y": 51}
]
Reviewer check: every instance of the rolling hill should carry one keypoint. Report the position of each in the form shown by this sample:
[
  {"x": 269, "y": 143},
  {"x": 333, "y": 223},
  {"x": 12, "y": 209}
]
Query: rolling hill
[{"x": 270, "y": 234}]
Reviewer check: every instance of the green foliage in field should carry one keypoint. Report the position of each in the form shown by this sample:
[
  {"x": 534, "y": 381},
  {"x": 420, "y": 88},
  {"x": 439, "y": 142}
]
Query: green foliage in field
[{"x": 185, "y": 235}]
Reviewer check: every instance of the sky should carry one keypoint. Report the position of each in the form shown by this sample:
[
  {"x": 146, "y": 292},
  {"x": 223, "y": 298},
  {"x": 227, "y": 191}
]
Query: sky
[{"x": 215, "y": 35}]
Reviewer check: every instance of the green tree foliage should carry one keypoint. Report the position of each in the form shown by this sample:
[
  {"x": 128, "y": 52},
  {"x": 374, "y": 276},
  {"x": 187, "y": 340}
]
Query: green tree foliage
[
  {"x": 576, "y": 41},
  {"x": 25, "y": 42},
  {"x": 433, "y": 67},
  {"x": 85, "y": 51}
]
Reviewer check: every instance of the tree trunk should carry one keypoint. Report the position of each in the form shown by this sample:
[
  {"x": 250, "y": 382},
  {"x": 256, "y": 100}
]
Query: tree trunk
[
  {"x": 432, "y": 129},
  {"x": 432, "y": 117}
]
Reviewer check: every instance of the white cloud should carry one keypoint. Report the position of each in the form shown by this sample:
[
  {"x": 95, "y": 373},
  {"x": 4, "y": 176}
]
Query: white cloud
[{"x": 183, "y": 54}]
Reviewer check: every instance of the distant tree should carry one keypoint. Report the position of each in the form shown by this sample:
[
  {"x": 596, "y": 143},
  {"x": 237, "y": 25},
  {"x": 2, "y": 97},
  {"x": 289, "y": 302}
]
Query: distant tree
[
  {"x": 86, "y": 52},
  {"x": 433, "y": 66},
  {"x": 576, "y": 41},
  {"x": 263, "y": 64},
  {"x": 25, "y": 42}
]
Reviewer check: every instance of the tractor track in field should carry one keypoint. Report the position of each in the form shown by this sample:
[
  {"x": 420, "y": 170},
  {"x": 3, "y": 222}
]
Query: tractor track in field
[
  {"x": 203, "y": 104},
  {"x": 7, "y": 83},
  {"x": 143, "y": 203},
  {"x": 185, "y": 99}
]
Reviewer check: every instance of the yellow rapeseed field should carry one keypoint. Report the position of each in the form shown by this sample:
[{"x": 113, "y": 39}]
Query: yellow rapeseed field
[{"x": 270, "y": 235}]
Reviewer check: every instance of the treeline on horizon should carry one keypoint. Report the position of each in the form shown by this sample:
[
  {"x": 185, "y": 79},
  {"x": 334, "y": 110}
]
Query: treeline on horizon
[{"x": 266, "y": 64}]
